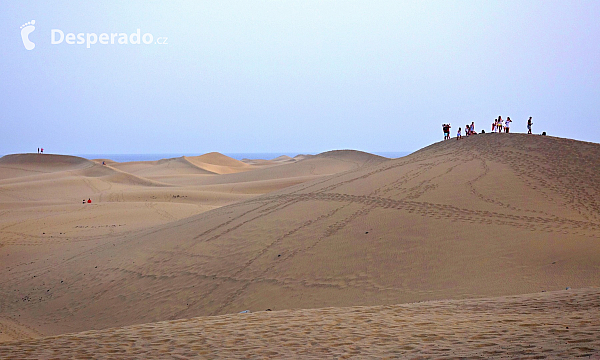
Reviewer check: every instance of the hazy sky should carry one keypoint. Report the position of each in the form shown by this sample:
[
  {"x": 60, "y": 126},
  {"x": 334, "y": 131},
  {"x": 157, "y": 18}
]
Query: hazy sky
[{"x": 293, "y": 76}]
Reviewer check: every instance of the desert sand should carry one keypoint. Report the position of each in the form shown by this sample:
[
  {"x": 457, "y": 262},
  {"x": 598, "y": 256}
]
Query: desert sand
[
  {"x": 338, "y": 239},
  {"x": 557, "y": 325}
]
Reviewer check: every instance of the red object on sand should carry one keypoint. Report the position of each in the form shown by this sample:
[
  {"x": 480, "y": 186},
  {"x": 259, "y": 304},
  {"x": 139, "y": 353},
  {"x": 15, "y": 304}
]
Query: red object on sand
[{"x": 89, "y": 201}]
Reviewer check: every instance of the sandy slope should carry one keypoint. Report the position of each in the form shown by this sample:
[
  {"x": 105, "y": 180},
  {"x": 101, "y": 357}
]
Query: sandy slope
[
  {"x": 556, "y": 325},
  {"x": 43, "y": 193},
  {"x": 43, "y": 219},
  {"x": 173, "y": 167},
  {"x": 491, "y": 215},
  {"x": 21, "y": 165},
  {"x": 218, "y": 163},
  {"x": 332, "y": 162}
]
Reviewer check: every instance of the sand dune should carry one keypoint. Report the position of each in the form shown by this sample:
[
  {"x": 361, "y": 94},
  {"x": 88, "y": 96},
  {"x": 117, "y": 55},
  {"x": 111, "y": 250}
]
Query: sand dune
[
  {"x": 557, "y": 325},
  {"x": 282, "y": 158},
  {"x": 41, "y": 197},
  {"x": 130, "y": 196},
  {"x": 49, "y": 162},
  {"x": 314, "y": 166},
  {"x": 173, "y": 167},
  {"x": 106, "y": 161},
  {"x": 491, "y": 215},
  {"x": 279, "y": 174},
  {"x": 114, "y": 175},
  {"x": 19, "y": 165},
  {"x": 207, "y": 164},
  {"x": 218, "y": 163},
  {"x": 268, "y": 163}
]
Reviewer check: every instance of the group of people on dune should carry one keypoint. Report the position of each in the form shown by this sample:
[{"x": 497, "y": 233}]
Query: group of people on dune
[
  {"x": 497, "y": 126},
  {"x": 469, "y": 130}
]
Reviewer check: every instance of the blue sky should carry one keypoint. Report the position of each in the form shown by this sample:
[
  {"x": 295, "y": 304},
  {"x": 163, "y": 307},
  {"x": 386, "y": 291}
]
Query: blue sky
[{"x": 294, "y": 76}]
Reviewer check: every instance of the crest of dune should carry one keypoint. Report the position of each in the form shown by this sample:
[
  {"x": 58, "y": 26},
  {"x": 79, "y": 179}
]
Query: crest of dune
[{"x": 218, "y": 163}]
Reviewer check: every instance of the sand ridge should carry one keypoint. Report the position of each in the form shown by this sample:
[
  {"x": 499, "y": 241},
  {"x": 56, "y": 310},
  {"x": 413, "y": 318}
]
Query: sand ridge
[
  {"x": 555, "y": 325},
  {"x": 310, "y": 166},
  {"x": 20, "y": 165},
  {"x": 150, "y": 169},
  {"x": 218, "y": 163}
]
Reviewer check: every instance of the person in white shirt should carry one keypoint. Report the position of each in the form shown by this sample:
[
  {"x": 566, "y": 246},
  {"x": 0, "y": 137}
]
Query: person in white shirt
[{"x": 507, "y": 124}]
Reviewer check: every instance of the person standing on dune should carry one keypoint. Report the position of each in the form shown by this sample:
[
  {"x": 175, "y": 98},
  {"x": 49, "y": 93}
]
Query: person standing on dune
[
  {"x": 507, "y": 125},
  {"x": 458, "y": 136},
  {"x": 446, "y": 128},
  {"x": 529, "y": 123},
  {"x": 499, "y": 125}
]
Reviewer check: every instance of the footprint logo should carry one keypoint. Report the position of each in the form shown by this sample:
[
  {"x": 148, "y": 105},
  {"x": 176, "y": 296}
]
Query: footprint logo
[{"x": 27, "y": 29}]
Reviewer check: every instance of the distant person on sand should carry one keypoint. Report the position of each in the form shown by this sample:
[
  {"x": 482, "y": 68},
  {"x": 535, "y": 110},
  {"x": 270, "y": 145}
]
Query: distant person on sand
[
  {"x": 529, "y": 123},
  {"x": 494, "y": 125},
  {"x": 458, "y": 136},
  {"x": 499, "y": 126},
  {"x": 472, "y": 129},
  {"x": 507, "y": 125},
  {"x": 41, "y": 150},
  {"x": 89, "y": 201},
  {"x": 103, "y": 163},
  {"x": 467, "y": 131},
  {"x": 38, "y": 150}
]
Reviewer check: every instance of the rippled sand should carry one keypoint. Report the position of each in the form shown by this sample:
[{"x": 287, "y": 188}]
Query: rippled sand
[{"x": 555, "y": 325}]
